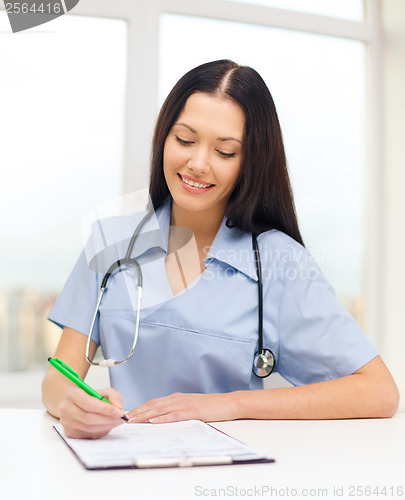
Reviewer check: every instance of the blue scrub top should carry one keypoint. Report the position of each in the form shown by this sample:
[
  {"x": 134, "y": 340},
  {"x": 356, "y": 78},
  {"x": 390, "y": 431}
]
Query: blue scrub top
[{"x": 203, "y": 340}]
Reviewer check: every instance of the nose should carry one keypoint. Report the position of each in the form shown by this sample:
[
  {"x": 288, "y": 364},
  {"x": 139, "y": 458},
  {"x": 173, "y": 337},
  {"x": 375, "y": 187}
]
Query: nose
[{"x": 199, "y": 161}]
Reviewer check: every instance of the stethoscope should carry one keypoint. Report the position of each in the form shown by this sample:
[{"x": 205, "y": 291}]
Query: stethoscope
[{"x": 263, "y": 361}]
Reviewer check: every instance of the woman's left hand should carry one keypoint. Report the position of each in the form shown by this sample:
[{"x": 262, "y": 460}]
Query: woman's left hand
[{"x": 179, "y": 406}]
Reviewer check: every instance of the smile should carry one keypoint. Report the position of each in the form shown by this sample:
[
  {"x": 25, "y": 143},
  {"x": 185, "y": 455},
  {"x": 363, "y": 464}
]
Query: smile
[{"x": 193, "y": 186}]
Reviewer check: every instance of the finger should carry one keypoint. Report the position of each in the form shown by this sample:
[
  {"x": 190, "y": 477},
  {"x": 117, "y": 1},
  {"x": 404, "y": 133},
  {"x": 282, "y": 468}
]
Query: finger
[
  {"x": 173, "y": 416},
  {"x": 144, "y": 413},
  {"x": 178, "y": 412},
  {"x": 95, "y": 424},
  {"x": 113, "y": 396},
  {"x": 144, "y": 417},
  {"x": 155, "y": 407},
  {"x": 79, "y": 423},
  {"x": 73, "y": 416},
  {"x": 90, "y": 404},
  {"x": 81, "y": 429}
]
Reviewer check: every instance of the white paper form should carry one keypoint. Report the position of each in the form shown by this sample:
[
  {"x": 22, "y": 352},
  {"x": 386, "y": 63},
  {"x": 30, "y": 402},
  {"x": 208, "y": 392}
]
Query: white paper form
[{"x": 191, "y": 442}]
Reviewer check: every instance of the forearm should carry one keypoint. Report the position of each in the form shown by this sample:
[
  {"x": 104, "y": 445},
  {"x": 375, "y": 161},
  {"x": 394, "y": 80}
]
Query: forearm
[{"x": 347, "y": 397}]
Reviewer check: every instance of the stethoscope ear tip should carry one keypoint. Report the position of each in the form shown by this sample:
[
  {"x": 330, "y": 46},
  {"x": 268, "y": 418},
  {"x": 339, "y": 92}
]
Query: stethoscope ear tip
[{"x": 107, "y": 363}]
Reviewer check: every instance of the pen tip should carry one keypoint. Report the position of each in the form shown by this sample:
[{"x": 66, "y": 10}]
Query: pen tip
[{"x": 49, "y": 359}]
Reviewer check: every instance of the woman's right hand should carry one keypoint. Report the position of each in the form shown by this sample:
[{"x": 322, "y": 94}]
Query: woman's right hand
[{"x": 84, "y": 416}]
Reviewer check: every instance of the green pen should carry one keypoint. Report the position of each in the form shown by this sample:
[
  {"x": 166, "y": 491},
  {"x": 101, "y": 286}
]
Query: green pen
[{"x": 65, "y": 369}]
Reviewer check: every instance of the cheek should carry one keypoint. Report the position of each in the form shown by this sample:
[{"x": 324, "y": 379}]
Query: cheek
[
  {"x": 173, "y": 158},
  {"x": 230, "y": 176}
]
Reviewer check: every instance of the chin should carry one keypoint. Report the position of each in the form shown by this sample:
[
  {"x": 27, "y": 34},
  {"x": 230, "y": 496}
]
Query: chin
[{"x": 193, "y": 205}]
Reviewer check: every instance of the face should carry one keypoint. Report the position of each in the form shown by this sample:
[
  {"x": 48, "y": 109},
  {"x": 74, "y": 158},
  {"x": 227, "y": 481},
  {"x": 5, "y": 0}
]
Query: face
[{"x": 203, "y": 153}]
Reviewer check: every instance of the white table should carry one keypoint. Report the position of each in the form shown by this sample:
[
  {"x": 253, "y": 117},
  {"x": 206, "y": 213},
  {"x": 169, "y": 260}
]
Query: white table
[{"x": 314, "y": 459}]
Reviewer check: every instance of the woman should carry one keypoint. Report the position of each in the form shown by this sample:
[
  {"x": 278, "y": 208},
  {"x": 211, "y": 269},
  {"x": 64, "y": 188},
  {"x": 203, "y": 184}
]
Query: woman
[{"x": 218, "y": 169}]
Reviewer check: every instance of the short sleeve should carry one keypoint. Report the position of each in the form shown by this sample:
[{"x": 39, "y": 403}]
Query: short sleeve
[
  {"x": 318, "y": 338},
  {"x": 75, "y": 305}
]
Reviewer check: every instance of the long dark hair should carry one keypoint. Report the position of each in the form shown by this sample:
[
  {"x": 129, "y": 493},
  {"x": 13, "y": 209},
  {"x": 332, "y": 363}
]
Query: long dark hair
[{"x": 262, "y": 198}]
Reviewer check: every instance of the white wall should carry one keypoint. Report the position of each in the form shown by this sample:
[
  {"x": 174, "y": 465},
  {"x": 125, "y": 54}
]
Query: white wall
[{"x": 393, "y": 234}]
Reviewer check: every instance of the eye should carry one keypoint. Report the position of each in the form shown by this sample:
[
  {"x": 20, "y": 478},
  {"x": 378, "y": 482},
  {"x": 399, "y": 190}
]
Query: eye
[
  {"x": 183, "y": 141},
  {"x": 226, "y": 155}
]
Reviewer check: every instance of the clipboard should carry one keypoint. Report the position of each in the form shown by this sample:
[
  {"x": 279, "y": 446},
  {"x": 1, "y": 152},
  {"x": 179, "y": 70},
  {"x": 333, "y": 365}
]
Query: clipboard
[{"x": 189, "y": 443}]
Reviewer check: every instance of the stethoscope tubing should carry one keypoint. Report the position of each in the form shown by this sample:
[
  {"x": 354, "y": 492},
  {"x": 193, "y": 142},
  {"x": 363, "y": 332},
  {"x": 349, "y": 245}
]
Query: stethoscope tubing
[
  {"x": 259, "y": 288},
  {"x": 120, "y": 265}
]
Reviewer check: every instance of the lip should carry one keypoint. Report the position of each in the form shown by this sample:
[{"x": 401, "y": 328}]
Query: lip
[{"x": 192, "y": 189}]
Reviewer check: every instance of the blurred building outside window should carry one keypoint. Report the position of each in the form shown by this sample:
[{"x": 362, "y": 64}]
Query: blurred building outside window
[{"x": 62, "y": 129}]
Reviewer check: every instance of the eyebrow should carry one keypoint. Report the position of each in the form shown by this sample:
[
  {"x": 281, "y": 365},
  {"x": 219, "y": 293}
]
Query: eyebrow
[{"x": 223, "y": 139}]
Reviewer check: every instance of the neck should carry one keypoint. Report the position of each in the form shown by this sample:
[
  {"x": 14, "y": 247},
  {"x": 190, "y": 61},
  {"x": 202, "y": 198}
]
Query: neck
[{"x": 204, "y": 223}]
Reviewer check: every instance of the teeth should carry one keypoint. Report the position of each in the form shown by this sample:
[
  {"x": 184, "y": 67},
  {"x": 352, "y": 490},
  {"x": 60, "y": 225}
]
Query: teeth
[{"x": 195, "y": 184}]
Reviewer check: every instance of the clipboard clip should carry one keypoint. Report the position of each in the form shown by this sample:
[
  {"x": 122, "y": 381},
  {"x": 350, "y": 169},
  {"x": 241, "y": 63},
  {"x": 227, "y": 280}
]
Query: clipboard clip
[{"x": 185, "y": 461}]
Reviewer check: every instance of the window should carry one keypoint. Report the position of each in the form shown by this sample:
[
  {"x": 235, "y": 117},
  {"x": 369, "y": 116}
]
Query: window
[{"x": 62, "y": 129}]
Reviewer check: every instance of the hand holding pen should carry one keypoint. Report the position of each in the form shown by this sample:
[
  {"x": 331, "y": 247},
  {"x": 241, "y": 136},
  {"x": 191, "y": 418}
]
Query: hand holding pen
[{"x": 84, "y": 412}]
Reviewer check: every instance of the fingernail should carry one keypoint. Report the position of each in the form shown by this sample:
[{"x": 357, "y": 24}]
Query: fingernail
[{"x": 153, "y": 420}]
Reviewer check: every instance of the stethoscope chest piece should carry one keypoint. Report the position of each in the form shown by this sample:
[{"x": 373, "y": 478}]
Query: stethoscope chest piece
[{"x": 263, "y": 364}]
